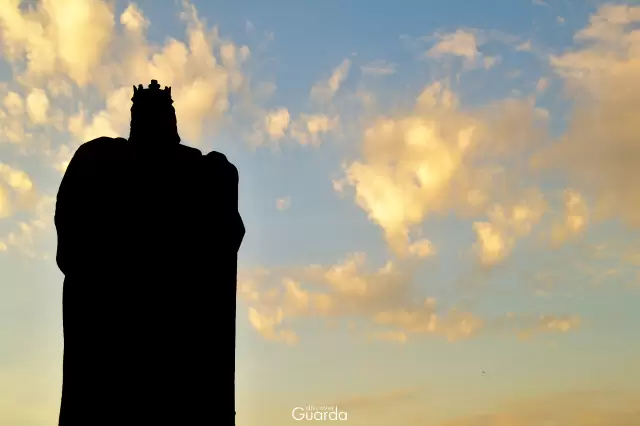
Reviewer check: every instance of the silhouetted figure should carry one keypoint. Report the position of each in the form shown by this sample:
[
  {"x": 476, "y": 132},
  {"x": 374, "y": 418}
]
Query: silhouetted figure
[{"x": 148, "y": 235}]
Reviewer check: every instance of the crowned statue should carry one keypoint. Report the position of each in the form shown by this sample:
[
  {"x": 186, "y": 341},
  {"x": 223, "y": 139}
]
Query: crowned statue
[{"x": 148, "y": 236}]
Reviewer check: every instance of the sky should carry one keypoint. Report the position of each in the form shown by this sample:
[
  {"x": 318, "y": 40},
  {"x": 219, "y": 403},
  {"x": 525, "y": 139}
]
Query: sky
[{"x": 442, "y": 222}]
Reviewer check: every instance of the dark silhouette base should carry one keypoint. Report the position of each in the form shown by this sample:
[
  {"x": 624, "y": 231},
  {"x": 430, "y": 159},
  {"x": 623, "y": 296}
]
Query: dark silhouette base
[{"x": 148, "y": 235}]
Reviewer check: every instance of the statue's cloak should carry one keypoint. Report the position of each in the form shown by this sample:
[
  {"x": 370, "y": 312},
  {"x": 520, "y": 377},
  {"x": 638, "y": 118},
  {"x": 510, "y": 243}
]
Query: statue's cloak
[{"x": 148, "y": 242}]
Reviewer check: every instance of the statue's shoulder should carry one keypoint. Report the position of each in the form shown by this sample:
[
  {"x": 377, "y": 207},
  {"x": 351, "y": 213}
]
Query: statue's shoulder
[
  {"x": 219, "y": 162},
  {"x": 99, "y": 148},
  {"x": 189, "y": 152}
]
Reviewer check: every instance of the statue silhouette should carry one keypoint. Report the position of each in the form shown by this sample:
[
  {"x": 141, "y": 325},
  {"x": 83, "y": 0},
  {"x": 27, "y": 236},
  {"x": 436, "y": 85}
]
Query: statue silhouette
[{"x": 148, "y": 235}]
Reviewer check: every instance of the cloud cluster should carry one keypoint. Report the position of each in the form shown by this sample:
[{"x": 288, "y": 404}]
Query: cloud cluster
[
  {"x": 60, "y": 49},
  {"x": 73, "y": 65},
  {"x": 19, "y": 194},
  {"x": 599, "y": 151},
  {"x": 276, "y": 125},
  {"x": 27, "y": 235},
  {"x": 434, "y": 159},
  {"x": 16, "y": 187},
  {"x": 57, "y": 37},
  {"x": 376, "y": 303},
  {"x": 440, "y": 158}
]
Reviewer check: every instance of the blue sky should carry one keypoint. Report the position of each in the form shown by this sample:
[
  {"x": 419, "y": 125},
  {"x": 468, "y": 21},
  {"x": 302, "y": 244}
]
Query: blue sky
[{"x": 430, "y": 190}]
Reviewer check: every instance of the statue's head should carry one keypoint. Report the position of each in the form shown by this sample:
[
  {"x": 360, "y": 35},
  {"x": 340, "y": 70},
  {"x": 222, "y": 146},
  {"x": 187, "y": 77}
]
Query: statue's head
[{"x": 153, "y": 116}]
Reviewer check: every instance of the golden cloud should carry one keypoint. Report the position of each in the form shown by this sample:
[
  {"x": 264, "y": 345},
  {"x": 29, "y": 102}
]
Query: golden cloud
[
  {"x": 438, "y": 159},
  {"x": 384, "y": 299},
  {"x": 325, "y": 90},
  {"x": 599, "y": 150}
]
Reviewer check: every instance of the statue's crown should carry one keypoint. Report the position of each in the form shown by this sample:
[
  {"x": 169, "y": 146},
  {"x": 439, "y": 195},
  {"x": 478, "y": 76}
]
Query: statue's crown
[{"x": 152, "y": 95}]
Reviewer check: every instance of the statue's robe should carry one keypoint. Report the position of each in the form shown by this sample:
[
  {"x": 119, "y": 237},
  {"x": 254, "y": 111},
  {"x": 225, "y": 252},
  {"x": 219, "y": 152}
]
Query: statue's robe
[{"x": 148, "y": 240}]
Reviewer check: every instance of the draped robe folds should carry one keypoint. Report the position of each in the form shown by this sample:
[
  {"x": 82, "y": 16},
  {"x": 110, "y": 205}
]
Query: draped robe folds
[{"x": 148, "y": 241}]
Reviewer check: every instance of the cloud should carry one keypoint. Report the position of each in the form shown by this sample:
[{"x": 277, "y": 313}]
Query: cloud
[
  {"x": 66, "y": 37},
  {"x": 383, "y": 299},
  {"x": 490, "y": 61},
  {"x": 524, "y": 47},
  {"x": 378, "y": 68},
  {"x": 277, "y": 125},
  {"x": 527, "y": 326},
  {"x": 38, "y": 106},
  {"x": 460, "y": 43},
  {"x": 249, "y": 27},
  {"x": 12, "y": 125},
  {"x": 368, "y": 402},
  {"x": 60, "y": 50},
  {"x": 17, "y": 190},
  {"x": 422, "y": 248},
  {"x": 439, "y": 158},
  {"x": 345, "y": 290},
  {"x": 497, "y": 237},
  {"x": 204, "y": 71},
  {"x": 27, "y": 235},
  {"x": 324, "y": 91},
  {"x": 133, "y": 19},
  {"x": 575, "y": 217},
  {"x": 542, "y": 84},
  {"x": 309, "y": 128},
  {"x": 266, "y": 325},
  {"x": 13, "y": 103},
  {"x": 277, "y": 122},
  {"x": 599, "y": 151},
  {"x": 454, "y": 325},
  {"x": 465, "y": 43}
]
